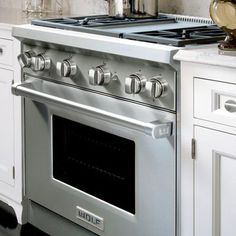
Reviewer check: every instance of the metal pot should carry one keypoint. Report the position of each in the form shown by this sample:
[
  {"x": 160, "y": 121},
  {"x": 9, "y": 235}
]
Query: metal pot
[{"x": 133, "y": 8}]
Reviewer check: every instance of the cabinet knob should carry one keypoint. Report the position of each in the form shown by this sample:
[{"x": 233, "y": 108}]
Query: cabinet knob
[{"x": 230, "y": 106}]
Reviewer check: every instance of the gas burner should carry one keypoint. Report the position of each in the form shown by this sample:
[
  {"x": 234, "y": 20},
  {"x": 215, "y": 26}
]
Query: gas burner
[{"x": 180, "y": 37}]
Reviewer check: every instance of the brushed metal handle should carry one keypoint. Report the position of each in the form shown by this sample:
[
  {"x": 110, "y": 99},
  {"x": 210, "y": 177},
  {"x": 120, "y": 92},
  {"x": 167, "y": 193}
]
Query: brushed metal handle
[
  {"x": 156, "y": 129},
  {"x": 230, "y": 106}
]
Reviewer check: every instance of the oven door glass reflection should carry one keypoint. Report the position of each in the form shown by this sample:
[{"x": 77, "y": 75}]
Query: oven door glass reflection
[{"x": 96, "y": 162}]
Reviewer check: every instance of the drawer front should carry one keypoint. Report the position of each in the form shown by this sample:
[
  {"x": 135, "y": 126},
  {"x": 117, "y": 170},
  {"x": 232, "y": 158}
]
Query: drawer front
[
  {"x": 215, "y": 101},
  {"x": 6, "y": 52}
]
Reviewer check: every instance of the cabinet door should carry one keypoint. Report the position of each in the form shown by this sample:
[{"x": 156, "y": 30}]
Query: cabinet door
[
  {"x": 6, "y": 128},
  {"x": 215, "y": 183}
]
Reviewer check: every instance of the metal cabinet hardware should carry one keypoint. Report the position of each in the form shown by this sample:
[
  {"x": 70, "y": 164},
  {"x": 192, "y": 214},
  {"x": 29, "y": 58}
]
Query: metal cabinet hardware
[{"x": 230, "y": 106}]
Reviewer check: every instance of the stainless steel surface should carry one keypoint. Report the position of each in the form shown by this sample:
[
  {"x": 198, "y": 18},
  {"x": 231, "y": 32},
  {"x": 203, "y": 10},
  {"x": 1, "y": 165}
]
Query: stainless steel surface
[
  {"x": 156, "y": 87},
  {"x": 230, "y": 106},
  {"x": 124, "y": 107},
  {"x": 135, "y": 84},
  {"x": 154, "y": 170},
  {"x": 100, "y": 76},
  {"x": 131, "y": 8},
  {"x": 90, "y": 218},
  {"x": 40, "y": 62},
  {"x": 46, "y": 220},
  {"x": 117, "y": 47},
  {"x": 66, "y": 68},
  {"x": 111, "y": 74},
  {"x": 156, "y": 129}
]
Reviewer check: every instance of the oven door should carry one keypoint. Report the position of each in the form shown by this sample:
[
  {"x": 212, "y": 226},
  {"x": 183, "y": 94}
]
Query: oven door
[{"x": 103, "y": 163}]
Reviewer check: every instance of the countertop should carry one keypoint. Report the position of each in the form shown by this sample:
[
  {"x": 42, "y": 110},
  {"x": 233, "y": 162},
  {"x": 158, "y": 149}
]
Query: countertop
[{"x": 207, "y": 54}]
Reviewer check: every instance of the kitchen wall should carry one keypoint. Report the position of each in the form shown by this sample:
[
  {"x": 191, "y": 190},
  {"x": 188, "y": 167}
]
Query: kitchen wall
[
  {"x": 186, "y": 7},
  {"x": 10, "y": 3},
  {"x": 87, "y": 7}
]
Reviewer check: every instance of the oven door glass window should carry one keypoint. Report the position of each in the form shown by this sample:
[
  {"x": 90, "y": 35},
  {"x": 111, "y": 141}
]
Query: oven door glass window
[{"x": 96, "y": 162}]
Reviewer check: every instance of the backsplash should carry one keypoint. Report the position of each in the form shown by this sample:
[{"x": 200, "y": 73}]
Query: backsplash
[
  {"x": 186, "y": 7},
  {"x": 85, "y": 7},
  {"x": 88, "y": 7},
  {"x": 10, "y": 3}
]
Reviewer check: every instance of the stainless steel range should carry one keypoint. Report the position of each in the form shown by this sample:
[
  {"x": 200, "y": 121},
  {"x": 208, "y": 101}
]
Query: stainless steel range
[{"x": 100, "y": 117}]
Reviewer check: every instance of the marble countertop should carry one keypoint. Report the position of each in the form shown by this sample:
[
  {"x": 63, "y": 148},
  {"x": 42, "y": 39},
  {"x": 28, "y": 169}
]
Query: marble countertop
[{"x": 207, "y": 54}]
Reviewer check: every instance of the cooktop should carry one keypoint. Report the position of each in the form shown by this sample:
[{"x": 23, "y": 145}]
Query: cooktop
[{"x": 164, "y": 29}]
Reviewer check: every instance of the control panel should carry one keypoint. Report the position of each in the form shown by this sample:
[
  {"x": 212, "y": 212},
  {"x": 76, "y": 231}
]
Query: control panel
[{"x": 132, "y": 79}]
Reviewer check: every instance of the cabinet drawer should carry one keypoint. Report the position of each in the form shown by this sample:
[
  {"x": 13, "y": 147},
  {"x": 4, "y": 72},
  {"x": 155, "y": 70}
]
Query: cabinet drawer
[
  {"x": 6, "y": 52},
  {"x": 215, "y": 101}
]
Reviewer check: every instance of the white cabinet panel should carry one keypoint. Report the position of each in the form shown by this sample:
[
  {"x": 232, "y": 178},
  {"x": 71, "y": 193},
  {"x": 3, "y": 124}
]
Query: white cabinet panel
[
  {"x": 228, "y": 194},
  {"x": 210, "y": 99},
  {"x": 6, "y": 54},
  {"x": 6, "y": 127},
  {"x": 11, "y": 164},
  {"x": 215, "y": 183}
]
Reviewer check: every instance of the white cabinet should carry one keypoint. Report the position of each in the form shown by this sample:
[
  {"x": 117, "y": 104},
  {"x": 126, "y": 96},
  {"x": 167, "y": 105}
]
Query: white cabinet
[
  {"x": 215, "y": 183},
  {"x": 208, "y": 142},
  {"x": 7, "y": 128},
  {"x": 6, "y": 53},
  {"x": 11, "y": 174}
]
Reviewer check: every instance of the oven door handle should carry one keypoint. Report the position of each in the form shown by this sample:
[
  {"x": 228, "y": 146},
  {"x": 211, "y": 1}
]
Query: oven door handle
[{"x": 156, "y": 129}]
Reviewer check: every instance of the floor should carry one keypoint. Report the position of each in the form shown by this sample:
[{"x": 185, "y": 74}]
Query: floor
[
  {"x": 10, "y": 227},
  {"x": 25, "y": 230}
]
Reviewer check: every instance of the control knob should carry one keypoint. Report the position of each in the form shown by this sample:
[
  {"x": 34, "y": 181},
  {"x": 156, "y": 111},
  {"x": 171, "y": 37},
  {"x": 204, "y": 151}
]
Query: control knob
[
  {"x": 135, "y": 83},
  {"x": 40, "y": 62},
  {"x": 156, "y": 87},
  {"x": 25, "y": 58},
  {"x": 66, "y": 68},
  {"x": 99, "y": 76}
]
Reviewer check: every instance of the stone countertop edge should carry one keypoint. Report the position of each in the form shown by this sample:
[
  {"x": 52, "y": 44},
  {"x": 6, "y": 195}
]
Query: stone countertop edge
[{"x": 206, "y": 54}]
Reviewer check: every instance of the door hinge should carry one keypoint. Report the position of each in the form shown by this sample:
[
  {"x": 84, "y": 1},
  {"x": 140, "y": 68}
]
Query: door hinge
[
  {"x": 13, "y": 172},
  {"x": 193, "y": 148}
]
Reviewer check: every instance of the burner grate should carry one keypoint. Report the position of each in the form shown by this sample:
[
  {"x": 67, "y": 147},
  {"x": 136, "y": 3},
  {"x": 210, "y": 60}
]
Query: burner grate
[
  {"x": 180, "y": 37},
  {"x": 95, "y": 21}
]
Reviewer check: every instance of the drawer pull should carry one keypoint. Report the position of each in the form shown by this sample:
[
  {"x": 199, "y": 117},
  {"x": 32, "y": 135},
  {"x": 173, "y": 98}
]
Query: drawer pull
[
  {"x": 1, "y": 50},
  {"x": 230, "y": 106}
]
